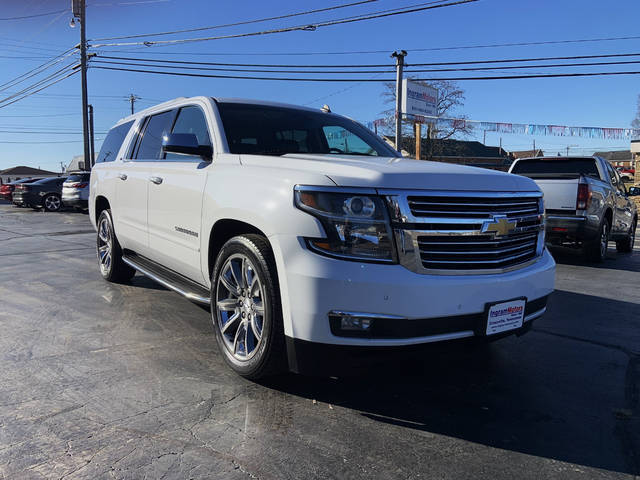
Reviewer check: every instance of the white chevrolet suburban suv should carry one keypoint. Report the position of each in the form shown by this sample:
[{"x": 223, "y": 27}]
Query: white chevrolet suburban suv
[{"x": 306, "y": 233}]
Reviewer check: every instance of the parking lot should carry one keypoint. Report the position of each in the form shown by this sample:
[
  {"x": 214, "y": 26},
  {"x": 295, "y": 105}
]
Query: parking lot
[{"x": 101, "y": 380}]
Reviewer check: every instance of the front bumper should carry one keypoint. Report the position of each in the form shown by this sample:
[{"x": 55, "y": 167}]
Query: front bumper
[
  {"x": 431, "y": 308},
  {"x": 570, "y": 229}
]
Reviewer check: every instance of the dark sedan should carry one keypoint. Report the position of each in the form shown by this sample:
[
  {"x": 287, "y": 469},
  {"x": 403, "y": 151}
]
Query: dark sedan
[
  {"x": 6, "y": 190},
  {"x": 45, "y": 193}
]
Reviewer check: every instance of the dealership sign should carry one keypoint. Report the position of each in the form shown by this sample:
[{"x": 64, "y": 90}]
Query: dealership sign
[{"x": 418, "y": 99}]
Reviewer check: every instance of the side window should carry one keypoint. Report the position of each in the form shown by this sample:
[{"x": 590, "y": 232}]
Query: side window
[
  {"x": 151, "y": 144},
  {"x": 341, "y": 140},
  {"x": 191, "y": 120},
  {"x": 612, "y": 175},
  {"x": 621, "y": 187},
  {"x": 113, "y": 142}
]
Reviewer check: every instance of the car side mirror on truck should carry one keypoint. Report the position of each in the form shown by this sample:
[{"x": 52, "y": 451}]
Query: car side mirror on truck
[
  {"x": 186, "y": 144},
  {"x": 634, "y": 191}
]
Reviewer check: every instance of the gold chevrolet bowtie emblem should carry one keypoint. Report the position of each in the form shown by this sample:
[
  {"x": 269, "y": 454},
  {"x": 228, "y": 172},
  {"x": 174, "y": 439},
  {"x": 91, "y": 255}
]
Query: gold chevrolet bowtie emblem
[{"x": 499, "y": 225}]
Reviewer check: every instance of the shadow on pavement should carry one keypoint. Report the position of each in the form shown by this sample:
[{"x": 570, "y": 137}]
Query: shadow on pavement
[{"x": 546, "y": 394}]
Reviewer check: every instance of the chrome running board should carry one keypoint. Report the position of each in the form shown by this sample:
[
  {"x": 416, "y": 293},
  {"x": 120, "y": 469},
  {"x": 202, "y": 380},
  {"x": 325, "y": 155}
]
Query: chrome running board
[{"x": 168, "y": 278}]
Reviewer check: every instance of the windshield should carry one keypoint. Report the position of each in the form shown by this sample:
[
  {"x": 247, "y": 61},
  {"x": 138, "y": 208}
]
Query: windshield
[{"x": 267, "y": 130}]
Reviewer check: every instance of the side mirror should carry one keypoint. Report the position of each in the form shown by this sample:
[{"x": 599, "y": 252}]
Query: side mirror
[
  {"x": 634, "y": 191},
  {"x": 186, "y": 144}
]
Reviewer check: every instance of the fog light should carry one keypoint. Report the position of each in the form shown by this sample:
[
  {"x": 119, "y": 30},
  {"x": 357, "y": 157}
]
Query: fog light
[{"x": 355, "y": 323}]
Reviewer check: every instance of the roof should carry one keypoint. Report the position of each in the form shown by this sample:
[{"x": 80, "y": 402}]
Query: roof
[
  {"x": 179, "y": 101},
  {"x": 527, "y": 153},
  {"x": 463, "y": 148},
  {"x": 22, "y": 170},
  {"x": 616, "y": 155}
]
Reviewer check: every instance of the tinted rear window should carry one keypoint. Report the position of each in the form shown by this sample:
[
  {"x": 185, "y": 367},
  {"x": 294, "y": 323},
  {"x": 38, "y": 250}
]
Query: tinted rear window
[
  {"x": 81, "y": 177},
  {"x": 550, "y": 167},
  {"x": 113, "y": 142}
]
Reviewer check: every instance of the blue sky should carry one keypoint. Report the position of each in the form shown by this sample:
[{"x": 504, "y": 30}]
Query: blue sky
[{"x": 595, "y": 101}]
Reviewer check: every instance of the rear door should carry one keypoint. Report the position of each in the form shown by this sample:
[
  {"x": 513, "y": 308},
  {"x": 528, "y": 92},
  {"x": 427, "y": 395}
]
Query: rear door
[
  {"x": 175, "y": 200},
  {"x": 133, "y": 180},
  {"x": 624, "y": 206}
]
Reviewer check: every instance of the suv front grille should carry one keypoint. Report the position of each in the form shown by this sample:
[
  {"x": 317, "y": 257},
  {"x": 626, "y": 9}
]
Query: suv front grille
[{"x": 476, "y": 232}]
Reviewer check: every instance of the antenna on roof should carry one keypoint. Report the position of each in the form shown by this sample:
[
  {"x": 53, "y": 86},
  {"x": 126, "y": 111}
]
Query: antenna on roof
[{"x": 325, "y": 108}]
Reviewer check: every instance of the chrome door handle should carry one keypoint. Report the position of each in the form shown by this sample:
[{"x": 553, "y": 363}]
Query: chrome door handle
[
  {"x": 156, "y": 180},
  {"x": 122, "y": 176}
]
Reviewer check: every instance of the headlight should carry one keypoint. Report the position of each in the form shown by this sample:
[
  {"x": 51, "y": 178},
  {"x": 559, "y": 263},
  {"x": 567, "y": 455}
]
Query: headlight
[{"x": 356, "y": 224}]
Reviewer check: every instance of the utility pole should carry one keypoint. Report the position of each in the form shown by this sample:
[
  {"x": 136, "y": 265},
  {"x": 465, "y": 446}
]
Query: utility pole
[
  {"x": 132, "y": 99},
  {"x": 78, "y": 8},
  {"x": 484, "y": 137},
  {"x": 92, "y": 151},
  {"x": 567, "y": 150},
  {"x": 399, "y": 56},
  {"x": 534, "y": 146}
]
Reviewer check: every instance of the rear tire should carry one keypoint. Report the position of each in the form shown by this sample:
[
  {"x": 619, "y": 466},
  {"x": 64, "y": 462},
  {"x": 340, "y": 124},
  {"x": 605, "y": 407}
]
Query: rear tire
[
  {"x": 52, "y": 203},
  {"x": 597, "y": 250},
  {"x": 112, "y": 268},
  {"x": 245, "y": 307},
  {"x": 626, "y": 245}
]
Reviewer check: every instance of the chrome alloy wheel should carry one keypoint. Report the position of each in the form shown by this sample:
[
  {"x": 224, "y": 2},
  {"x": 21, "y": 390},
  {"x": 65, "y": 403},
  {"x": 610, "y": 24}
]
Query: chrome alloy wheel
[
  {"x": 105, "y": 245},
  {"x": 604, "y": 240},
  {"x": 52, "y": 203},
  {"x": 240, "y": 306}
]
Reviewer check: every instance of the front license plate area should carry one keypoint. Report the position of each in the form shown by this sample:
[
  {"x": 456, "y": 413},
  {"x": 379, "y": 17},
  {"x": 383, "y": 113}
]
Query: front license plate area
[{"x": 505, "y": 316}]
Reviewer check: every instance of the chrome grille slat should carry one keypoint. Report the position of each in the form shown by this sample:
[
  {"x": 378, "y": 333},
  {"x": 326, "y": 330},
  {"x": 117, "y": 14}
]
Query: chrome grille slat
[
  {"x": 483, "y": 262},
  {"x": 457, "y": 204},
  {"x": 478, "y": 252},
  {"x": 424, "y": 212},
  {"x": 472, "y": 242}
]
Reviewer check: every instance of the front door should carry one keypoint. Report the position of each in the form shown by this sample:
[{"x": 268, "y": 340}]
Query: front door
[{"x": 175, "y": 200}]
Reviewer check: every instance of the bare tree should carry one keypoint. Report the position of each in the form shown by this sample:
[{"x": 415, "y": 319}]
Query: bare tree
[{"x": 450, "y": 99}]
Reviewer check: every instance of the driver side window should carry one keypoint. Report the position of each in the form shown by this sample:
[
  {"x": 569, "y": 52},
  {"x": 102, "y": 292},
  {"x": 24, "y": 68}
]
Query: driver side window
[{"x": 341, "y": 140}]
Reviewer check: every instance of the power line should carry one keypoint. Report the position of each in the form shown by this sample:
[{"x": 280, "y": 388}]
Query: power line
[
  {"x": 30, "y": 142},
  {"x": 57, "y": 80},
  {"x": 386, "y": 70},
  {"x": 307, "y": 27},
  {"x": 39, "y": 82},
  {"x": 34, "y": 16},
  {"x": 369, "y": 52},
  {"x": 247, "y": 22},
  {"x": 37, "y": 70},
  {"x": 370, "y": 65},
  {"x": 291, "y": 79}
]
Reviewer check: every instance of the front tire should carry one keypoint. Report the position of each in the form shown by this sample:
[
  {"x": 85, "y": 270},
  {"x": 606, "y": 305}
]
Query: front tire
[
  {"x": 245, "y": 307},
  {"x": 597, "y": 250},
  {"x": 109, "y": 252},
  {"x": 626, "y": 245},
  {"x": 52, "y": 203}
]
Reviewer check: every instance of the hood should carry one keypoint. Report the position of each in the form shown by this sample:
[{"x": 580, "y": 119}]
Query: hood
[{"x": 395, "y": 173}]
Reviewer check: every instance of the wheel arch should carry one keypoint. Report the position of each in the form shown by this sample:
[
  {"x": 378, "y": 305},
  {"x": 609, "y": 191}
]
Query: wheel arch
[
  {"x": 222, "y": 231},
  {"x": 101, "y": 204}
]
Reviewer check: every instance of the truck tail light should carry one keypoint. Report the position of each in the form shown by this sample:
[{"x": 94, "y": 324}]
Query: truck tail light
[{"x": 584, "y": 197}]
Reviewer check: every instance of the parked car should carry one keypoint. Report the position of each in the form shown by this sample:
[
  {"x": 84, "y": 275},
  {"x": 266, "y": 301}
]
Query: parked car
[
  {"x": 75, "y": 190},
  {"x": 6, "y": 190},
  {"x": 309, "y": 236},
  {"x": 45, "y": 193},
  {"x": 587, "y": 203}
]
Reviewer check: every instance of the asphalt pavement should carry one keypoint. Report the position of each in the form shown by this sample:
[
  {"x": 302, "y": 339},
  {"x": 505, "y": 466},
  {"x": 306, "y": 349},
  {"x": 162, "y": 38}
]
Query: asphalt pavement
[{"x": 101, "y": 380}]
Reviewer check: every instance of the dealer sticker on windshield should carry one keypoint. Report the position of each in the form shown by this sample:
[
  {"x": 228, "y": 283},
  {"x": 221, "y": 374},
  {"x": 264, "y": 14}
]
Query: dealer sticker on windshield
[{"x": 505, "y": 316}]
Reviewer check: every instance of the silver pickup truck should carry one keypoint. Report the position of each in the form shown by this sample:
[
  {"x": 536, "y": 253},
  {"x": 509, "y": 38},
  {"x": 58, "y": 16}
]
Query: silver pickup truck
[{"x": 586, "y": 203}]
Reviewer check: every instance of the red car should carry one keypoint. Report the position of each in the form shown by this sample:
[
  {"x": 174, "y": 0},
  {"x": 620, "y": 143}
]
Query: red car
[{"x": 6, "y": 190}]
